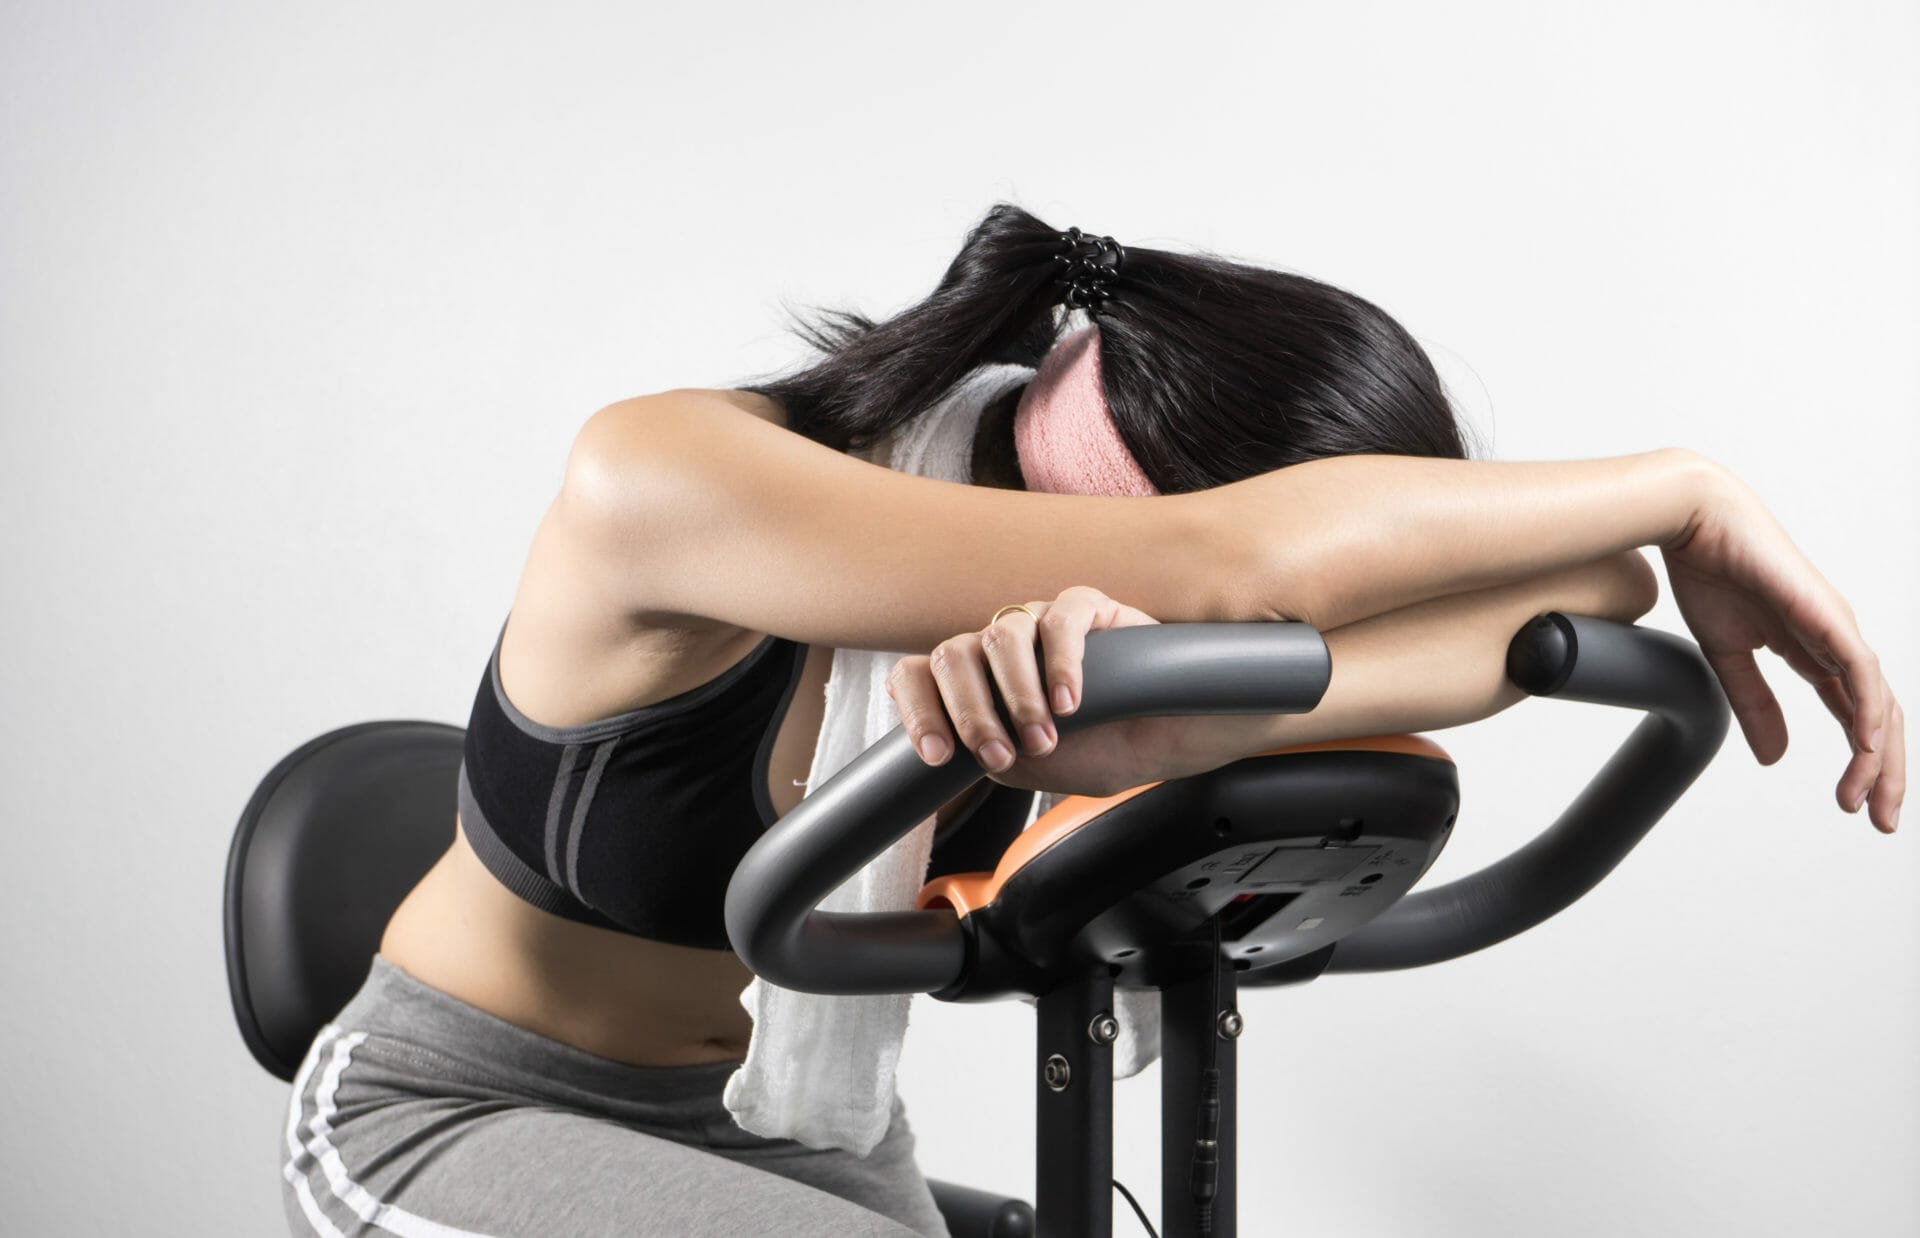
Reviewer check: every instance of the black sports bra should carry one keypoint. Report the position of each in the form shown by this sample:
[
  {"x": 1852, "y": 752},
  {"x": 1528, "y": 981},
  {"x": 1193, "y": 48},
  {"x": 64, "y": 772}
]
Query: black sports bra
[{"x": 635, "y": 823}]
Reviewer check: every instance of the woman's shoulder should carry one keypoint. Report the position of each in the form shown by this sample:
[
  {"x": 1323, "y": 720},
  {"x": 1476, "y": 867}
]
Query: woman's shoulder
[
  {"x": 662, "y": 403},
  {"x": 764, "y": 407},
  {"x": 573, "y": 652},
  {"x": 622, "y": 439}
]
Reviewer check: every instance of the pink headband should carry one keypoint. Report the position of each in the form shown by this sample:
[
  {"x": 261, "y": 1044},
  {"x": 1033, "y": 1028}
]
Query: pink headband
[{"x": 1063, "y": 430}]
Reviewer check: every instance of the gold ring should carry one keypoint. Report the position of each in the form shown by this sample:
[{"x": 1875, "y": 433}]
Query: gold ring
[{"x": 1007, "y": 610}]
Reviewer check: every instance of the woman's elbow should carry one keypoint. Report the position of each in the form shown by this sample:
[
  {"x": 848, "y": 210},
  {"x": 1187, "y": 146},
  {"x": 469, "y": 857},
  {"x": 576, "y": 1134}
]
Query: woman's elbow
[{"x": 1631, "y": 587}]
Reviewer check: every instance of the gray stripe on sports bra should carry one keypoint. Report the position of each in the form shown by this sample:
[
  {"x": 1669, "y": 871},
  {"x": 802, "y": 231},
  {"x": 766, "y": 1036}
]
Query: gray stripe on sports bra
[
  {"x": 555, "y": 799},
  {"x": 577, "y": 826}
]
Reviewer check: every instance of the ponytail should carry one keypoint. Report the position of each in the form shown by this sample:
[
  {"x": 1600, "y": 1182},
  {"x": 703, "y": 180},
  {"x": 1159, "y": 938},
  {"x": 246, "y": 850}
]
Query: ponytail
[
  {"x": 994, "y": 304},
  {"x": 1213, "y": 370}
]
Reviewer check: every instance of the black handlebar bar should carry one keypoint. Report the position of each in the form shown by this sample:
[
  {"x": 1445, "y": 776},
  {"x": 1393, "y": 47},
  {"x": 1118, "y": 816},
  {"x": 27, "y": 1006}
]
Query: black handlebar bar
[
  {"x": 1575, "y": 658},
  {"x": 773, "y": 908},
  {"x": 773, "y": 916}
]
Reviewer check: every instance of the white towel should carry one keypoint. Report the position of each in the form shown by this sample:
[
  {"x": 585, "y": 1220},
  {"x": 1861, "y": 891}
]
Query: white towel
[{"x": 820, "y": 1068}]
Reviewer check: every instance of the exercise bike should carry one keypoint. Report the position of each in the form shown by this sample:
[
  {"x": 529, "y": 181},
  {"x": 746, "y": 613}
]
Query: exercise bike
[{"x": 1273, "y": 870}]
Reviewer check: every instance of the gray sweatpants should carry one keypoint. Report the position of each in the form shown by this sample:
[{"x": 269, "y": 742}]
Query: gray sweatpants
[{"x": 416, "y": 1114}]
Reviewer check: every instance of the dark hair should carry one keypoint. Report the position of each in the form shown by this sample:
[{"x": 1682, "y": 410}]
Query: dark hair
[{"x": 1215, "y": 370}]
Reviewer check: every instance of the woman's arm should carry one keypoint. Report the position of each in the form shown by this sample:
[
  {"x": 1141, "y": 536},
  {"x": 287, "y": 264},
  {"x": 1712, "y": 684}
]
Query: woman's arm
[
  {"x": 698, "y": 508},
  {"x": 1436, "y": 664},
  {"x": 689, "y": 506},
  {"x": 1374, "y": 534},
  {"x": 694, "y": 509},
  {"x": 1396, "y": 531}
]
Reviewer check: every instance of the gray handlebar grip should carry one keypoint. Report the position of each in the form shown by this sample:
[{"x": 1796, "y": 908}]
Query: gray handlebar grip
[
  {"x": 772, "y": 909},
  {"x": 1575, "y": 658}
]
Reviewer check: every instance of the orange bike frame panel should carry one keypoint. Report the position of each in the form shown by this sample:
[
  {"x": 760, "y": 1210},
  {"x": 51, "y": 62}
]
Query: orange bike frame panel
[{"x": 967, "y": 892}]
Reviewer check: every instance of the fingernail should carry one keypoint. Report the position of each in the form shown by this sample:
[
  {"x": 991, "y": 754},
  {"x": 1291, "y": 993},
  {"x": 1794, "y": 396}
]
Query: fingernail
[
  {"x": 933, "y": 749},
  {"x": 1895, "y": 823},
  {"x": 1873, "y": 740},
  {"x": 1862, "y": 801},
  {"x": 1038, "y": 742},
  {"x": 996, "y": 756},
  {"x": 1062, "y": 699}
]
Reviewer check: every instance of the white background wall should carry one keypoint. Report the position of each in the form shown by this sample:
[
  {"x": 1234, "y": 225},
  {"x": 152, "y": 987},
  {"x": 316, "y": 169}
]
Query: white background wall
[{"x": 299, "y": 309}]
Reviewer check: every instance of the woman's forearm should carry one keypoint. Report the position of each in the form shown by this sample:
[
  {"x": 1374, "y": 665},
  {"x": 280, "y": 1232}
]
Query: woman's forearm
[
  {"x": 1436, "y": 664},
  {"x": 1349, "y": 537}
]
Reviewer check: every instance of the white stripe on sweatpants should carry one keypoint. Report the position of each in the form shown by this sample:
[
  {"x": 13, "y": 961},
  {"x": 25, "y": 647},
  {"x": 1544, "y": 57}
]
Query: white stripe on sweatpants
[
  {"x": 293, "y": 1171},
  {"x": 393, "y": 1219},
  {"x": 310, "y": 1206}
]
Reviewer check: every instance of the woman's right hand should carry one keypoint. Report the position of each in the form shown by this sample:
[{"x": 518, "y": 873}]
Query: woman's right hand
[{"x": 1742, "y": 585}]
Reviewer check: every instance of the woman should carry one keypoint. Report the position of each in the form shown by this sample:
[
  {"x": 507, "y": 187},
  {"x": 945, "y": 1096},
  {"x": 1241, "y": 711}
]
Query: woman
[{"x": 542, "y": 1043}]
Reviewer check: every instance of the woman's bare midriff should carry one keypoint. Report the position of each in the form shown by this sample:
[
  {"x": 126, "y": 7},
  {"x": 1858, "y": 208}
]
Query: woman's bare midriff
[{"x": 644, "y": 1002}]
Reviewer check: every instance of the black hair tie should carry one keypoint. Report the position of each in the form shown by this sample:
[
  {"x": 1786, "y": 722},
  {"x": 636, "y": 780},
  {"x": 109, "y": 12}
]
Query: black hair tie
[{"x": 1092, "y": 266}]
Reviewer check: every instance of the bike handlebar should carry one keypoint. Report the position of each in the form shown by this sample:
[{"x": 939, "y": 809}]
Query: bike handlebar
[
  {"x": 776, "y": 908},
  {"x": 774, "y": 912},
  {"x": 1574, "y": 658}
]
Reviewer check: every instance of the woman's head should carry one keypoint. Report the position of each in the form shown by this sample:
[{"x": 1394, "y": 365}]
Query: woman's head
[{"x": 1213, "y": 370}]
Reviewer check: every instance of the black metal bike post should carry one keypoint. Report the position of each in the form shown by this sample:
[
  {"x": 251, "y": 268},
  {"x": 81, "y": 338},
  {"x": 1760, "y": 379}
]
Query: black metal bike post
[
  {"x": 1074, "y": 1114},
  {"x": 1188, "y": 1019}
]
